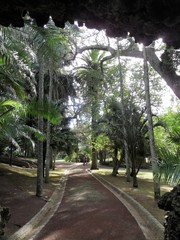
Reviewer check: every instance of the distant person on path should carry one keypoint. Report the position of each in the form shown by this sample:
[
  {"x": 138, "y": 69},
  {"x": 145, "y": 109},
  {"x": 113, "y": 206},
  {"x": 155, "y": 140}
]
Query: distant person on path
[{"x": 85, "y": 159}]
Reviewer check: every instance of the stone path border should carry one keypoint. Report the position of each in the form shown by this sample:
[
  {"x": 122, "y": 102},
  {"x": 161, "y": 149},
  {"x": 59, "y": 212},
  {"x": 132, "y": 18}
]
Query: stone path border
[
  {"x": 34, "y": 226},
  {"x": 151, "y": 227}
]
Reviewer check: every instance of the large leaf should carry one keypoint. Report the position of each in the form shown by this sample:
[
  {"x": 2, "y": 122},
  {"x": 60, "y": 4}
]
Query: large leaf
[
  {"x": 47, "y": 110},
  {"x": 8, "y": 106},
  {"x": 169, "y": 166},
  {"x": 11, "y": 103}
]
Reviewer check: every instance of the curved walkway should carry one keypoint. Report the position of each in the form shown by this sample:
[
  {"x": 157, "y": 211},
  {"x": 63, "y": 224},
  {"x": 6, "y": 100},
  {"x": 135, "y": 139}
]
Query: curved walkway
[{"x": 89, "y": 211}]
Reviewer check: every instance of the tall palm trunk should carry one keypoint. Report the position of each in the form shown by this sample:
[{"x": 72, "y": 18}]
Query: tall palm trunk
[
  {"x": 115, "y": 162},
  {"x": 133, "y": 160},
  {"x": 40, "y": 166},
  {"x": 94, "y": 164},
  {"x": 11, "y": 154},
  {"x": 94, "y": 108},
  {"x": 128, "y": 178},
  {"x": 48, "y": 135},
  {"x": 154, "y": 158}
]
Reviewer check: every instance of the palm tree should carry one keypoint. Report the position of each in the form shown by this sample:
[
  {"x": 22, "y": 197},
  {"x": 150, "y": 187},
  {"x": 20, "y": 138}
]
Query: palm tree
[
  {"x": 90, "y": 76},
  {"x": 16, "y": 72},
  {"x": 169, "y": 166},
  {"x": 39, "y": 48},
  {"x": 17, "y": 82},
  {"x": 126, "y": 152},
  {"x": 136, "y": 130},
  {"x": 169, "y": 161},
  {"x": 59, "y": 46},
  {"x": 48, "y": 45},
  {"x": 51, "y": 45},
  {"x": 14, "y": 127}
]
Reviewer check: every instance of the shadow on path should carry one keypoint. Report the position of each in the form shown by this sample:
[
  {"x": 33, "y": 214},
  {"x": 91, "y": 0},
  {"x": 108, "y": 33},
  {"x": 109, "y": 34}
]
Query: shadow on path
[{"x": 89, "y": 211}]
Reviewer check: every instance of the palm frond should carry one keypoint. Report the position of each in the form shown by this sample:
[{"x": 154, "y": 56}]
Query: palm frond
[
  {"x": 169, "y": 166},
  {"x": 175, "y": 137},
  {"x": 47, "y": 110}
]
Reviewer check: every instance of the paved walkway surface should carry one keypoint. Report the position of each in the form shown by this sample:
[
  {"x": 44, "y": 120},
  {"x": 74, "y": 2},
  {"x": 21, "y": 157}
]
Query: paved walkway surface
[{"x": 89, "y": 211}]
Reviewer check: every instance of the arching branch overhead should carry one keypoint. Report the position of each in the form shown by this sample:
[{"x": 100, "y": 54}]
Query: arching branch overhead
[
  {"x": 144, "y": 20},
  {"x": 161, "y": 67}
]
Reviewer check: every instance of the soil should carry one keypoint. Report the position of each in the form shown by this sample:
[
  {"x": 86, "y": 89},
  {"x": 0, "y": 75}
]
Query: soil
[
  {"x": 88, "y": 210},
  {"x": 23, "y": 205}
]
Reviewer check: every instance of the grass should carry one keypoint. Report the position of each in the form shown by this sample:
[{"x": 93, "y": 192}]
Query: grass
[
  {"x": 144, "y": 194},
  {"x": 25, "y": 178}
]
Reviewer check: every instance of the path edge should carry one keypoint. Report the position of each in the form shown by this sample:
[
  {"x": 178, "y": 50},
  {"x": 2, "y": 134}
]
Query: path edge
[
  {"x": 35, "y": 225},
  {"x": 150, "y": 226}
]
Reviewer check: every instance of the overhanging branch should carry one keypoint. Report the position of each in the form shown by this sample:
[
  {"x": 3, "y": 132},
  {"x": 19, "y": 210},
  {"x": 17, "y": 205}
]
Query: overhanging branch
[{"x": 169, "y": 76}]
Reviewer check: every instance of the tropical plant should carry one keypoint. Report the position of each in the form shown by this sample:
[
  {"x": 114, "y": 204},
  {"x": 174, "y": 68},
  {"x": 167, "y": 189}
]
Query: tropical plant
[
  {"x": 90, "y": 78},
  {"x": 136, "y": 129},
  {"x": 169, "y": 166},
  {"x": 17, "y": 79},
  {"x": 50, "y": 45},
  {"x": 168, "y": 148},
  {"x": 14, "y": 127}
]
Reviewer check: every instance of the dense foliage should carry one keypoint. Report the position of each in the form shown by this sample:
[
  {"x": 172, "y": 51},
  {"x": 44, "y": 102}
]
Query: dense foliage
[{"x": 70, "y": 81}]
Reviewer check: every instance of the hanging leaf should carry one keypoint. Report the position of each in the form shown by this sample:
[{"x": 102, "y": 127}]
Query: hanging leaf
[{"x": 44, "y": 109}]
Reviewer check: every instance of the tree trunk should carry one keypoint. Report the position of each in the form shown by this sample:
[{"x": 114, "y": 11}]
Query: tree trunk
[
  {"x": 40, "y": 169},
  {"x": 48, "y": 135},
  {"x": 94, "y": 113},
  {"x": 128, "y": 178},
  {"x": 104, "y": 155},
  {"x": 94, "y": 159},
  {"x": 94, "y": 164},
  {"x": 134, "y": 174},
  {"x": 154, "y": 158},
  {"x": 100, "y": 156},
  {"x": 115, "y": 162},
  {"x": 54, "y": 161},
  {"x": 11, "y": 154},
  {"x": 51, "y": 158}
]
